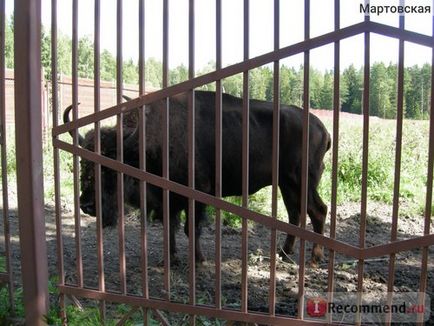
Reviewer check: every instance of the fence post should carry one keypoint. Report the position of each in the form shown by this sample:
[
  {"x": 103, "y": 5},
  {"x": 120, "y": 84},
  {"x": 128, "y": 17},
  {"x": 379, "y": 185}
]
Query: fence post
[{"x": 27, "y": 38}]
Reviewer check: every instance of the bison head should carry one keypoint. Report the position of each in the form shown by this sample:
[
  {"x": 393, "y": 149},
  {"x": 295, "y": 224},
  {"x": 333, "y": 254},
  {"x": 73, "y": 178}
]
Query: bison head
[{"x": 108, "y": 141}]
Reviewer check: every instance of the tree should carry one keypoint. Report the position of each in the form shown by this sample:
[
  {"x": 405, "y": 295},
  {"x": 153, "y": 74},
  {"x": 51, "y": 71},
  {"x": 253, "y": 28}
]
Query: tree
[
  {"x": 46, "y": 53},
  {"x": 9, "y": 42},
  {"x": 178, "y": 75},
  {"x": 291, "y": 85},
  {"x": 353, "y": 81},
  {"x": 326, "y": 92},
  {"x": 130, "y": 72},
  {"x": 316, "y": 82},
  {"x": 64, "y": 50},
  {"x": 85, "y": 54},
  {"x": 233, "y": 85},
  {"x": 259, "y": 82},
  {"x": 379, "y": 92},
  {"x": 392, "y": 77},
  {"x": 154, "y": 72},
  {"x": 417, "y": 90},
  {"x": 107, "y": 65}
]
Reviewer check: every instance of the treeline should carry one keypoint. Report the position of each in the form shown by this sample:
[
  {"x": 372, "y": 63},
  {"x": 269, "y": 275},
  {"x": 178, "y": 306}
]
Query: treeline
[{"x": 383, "y": 79}]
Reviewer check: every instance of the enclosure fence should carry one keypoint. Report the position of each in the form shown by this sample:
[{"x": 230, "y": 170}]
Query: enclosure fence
[{"x": 31, "y": 211}]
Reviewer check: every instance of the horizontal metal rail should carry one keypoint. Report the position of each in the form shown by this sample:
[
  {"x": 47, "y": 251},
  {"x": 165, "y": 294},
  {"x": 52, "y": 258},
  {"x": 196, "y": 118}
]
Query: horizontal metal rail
[
  {"x": 244, "y": 66},
  {"x": 184, "y": 308},
  {"x": 338, "y": 246},
  {"x": 208, "y": 199}
]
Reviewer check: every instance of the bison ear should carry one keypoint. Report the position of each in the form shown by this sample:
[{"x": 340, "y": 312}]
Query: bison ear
[{"x": 66, "y": 120}]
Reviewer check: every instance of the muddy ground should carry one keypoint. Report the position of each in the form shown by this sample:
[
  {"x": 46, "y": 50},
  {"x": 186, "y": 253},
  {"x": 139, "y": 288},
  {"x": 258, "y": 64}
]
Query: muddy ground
[{"x": 407, "y": 272}]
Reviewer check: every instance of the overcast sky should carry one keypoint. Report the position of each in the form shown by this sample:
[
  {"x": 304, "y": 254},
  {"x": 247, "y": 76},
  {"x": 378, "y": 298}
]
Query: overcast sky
[{"x": 261, "y": 29}]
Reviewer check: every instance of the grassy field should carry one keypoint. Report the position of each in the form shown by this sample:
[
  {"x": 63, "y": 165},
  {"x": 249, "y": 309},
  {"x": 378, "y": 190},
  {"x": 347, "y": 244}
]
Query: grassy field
[{"x": 381, "y": 163}]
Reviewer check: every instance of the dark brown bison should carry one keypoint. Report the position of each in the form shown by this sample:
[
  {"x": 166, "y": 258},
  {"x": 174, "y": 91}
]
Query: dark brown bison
[{"x": 260, "y": 158}]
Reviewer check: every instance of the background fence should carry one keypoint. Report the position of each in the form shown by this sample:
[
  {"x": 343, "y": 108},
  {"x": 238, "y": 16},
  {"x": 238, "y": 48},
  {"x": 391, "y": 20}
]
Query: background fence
[{"x": 85, "y": 91}]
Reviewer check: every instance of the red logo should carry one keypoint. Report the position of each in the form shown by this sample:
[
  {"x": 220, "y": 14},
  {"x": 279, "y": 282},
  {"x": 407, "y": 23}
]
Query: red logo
[{"x": 316, "y": 307}]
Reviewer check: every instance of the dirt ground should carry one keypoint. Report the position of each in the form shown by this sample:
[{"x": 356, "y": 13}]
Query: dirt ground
[{"x": 407, "y": 272}]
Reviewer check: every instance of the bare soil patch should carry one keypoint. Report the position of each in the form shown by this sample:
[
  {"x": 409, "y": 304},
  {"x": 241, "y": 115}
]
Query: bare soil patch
[{"x": 407, "y": 271}]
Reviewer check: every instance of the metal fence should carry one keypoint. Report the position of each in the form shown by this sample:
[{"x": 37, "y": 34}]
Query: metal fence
[
  {"x": 6, "y": 276},
  {"x": 77, "y": 288}
]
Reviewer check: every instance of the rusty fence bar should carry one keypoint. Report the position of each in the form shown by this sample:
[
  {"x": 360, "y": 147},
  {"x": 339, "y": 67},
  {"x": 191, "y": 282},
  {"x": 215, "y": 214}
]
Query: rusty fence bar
[
  {"x": 335, "y": 156},
  {"x": 56, "y": 159},
  {"x": 28, "y": 137},
  {"x": 97, "y": 147},
  {"x": 305, "y": 160},
  {"x": 142, "y": 154},
  {"x": 218, "y": 158},
  {"x": 76, "y": 164},
  {"x": 191, "y": 160},
  {"x": 364, "y": 194},
  {"x": 165, "y": 152},
  {"x": 155, "y": 304},
  {"x": 275, "y": 159},
  {"x": 398, "y": 151},
  {"x": 6, "y": 276},
  {"x": 245, "y": 164},
  {"x": 120, "y": 150},
  {"x": 429, "y": 188}
]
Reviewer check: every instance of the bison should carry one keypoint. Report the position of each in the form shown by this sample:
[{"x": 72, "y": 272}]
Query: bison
[{"x": 260, "y": 158}]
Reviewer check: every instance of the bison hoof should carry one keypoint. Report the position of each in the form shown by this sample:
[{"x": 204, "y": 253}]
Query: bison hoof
[
  {"x": 313, "y": 263},
  {"x": 317, "y": 255}
]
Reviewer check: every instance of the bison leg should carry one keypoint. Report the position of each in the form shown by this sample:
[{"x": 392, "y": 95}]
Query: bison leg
[
  {"x": 200, "y": 215},
  {"x": 174, "y": 211},
  {"x": 292, "y": 203},
  {"x": 317, "y": 211}
]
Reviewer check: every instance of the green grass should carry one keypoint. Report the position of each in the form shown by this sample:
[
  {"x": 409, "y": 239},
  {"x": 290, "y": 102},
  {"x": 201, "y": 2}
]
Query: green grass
[
  {"x": 381, "y": 164},
  {"x": 88, "y": 316},
  {"x": 2, "y": 264}
]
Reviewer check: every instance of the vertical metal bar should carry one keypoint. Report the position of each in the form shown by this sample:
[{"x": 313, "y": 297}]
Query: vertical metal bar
[
  {"x": 397, "y": 178},
  {"x": 335, "y": 157},
  {"x": 429, "y": 197},
  {"x": 165, "y": 151},
  {"x": 245, "y": 165},
  {"x": 27, "y": 40},
  {"x": 97, "y": 139},
  {"x": 120, "y": 150},
  {"x": 364, "y": 195},
  {"x": 191, "y": 159},
  {"x": 56, "y": 165},
  {"x": 275, "y": 160},
  {"x": 4, "y": 165},
  {"x": 305, "y": 160},
  {"x": 218, "y": 158},
  {"x": 142, "y": 150},
  {"x": 76, "y": 166}
]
